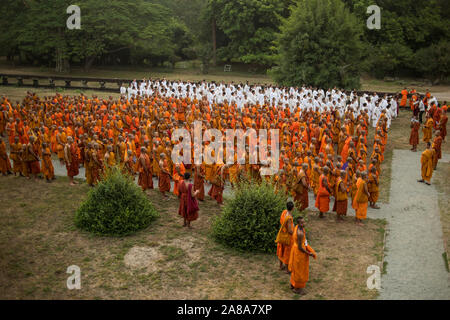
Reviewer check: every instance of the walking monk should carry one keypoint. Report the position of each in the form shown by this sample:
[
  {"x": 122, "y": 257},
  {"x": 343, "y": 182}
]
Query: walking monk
[
  {"x": 71, "y": 159},
  {"x": 285, "y": 235},
  {"x": 373, "y": 188},
  {"x": 426, "y": 160},
  {"x": 361, "y": 200},
  {"x": 299, "y": 260}
]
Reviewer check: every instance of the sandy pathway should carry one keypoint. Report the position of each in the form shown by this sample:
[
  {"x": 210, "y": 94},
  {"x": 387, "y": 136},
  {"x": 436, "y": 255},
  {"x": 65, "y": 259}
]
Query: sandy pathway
[{"x": 414, "y": 245}]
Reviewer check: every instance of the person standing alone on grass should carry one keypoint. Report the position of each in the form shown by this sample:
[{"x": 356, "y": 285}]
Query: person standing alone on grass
[
  {"x": 188, "y": 208},
  {"x": 299, "y": 259}
]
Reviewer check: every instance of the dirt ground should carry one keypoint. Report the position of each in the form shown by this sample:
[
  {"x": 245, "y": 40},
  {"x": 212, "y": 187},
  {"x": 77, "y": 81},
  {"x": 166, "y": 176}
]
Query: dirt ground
[{"x": 38, "y": 241}]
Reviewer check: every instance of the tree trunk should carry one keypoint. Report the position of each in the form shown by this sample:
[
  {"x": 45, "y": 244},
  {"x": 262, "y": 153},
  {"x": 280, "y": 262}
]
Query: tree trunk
[{"x": 214, "y": 40}]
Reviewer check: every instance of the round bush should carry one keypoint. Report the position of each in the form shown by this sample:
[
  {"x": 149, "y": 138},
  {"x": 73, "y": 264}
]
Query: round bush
[
  {"x": 250, "y": 220},
  {"x": 115, "y": 207}
]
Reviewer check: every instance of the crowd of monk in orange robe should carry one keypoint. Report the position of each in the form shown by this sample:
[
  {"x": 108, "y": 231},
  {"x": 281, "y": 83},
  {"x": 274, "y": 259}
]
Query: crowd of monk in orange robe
[{"x": 323, "y": 152}]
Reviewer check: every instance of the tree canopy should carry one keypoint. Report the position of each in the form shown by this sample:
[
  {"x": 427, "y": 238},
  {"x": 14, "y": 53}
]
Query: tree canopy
[
  {"x": 412, "y": 40},
  {"x": 320, "y": 45}
]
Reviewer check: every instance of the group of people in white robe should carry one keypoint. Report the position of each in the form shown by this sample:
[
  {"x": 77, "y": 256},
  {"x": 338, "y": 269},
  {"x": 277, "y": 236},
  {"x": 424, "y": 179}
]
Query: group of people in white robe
[{"x": 305, "y": 98}]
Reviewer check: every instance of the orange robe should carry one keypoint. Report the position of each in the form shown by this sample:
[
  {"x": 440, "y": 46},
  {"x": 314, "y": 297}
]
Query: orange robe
[
  {"x": 283, "y": 250},
  {"x": 426, "y": 161},
  {"x": 299, "y": 261},
  {"x": 323, "y": 197},
  {"x": 360, "y": 202}
]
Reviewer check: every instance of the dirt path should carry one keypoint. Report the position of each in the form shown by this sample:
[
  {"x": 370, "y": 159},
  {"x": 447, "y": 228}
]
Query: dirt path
[{"x": 414, "y": 245}]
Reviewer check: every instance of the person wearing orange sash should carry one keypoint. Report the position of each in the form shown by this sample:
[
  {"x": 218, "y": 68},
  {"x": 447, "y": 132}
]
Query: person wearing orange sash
[
  {"x": 373, "y": 187},
  {"x": 47, "y": 165},
  {"x": 361, "y": 200},
  {"x": 428, "y": 129},
  {"x": 341, "y": 196},
  {"x": 15, "y": 150},
  {"x": 323, "y": 194},
  {"x": 404, "y": 98},
  {"x": 164, "y": 176},
  {"x": 287, "y": 227},
  {"x": 143, "y": 166},
  {"x": 443, "y": 122},
  {"x": 299, "y": 259},
  {"x": 199, "y": 181},
  {"x": 188, "y": 207},
  {"x": 414, "y": 136},
  {"x": 217, "y": 183},
  {"x": 5, "y": 164},
  {"x": 437, "y": 143},
  {"x": 426, "y": 161},
  {"x": 71, "y": 160}
]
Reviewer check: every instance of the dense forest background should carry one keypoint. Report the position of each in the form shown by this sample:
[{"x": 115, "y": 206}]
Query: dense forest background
[{"x": 318, "y": 42}]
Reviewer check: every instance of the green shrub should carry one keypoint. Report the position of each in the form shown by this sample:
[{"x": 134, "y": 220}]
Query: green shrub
[
  {"x": 250, "y": 219},
  {"x": 115, "y": 207}
]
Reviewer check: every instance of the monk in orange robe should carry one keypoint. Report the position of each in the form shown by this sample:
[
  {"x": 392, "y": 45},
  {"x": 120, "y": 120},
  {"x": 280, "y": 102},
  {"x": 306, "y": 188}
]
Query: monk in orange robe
[
  {"x": 404, "y": 98},
  {"x": 437, "y": 146},
  {"x": 15, "y": 151},
  {"x": 426, "y": 161},
  {"x": 217, "y": 183},
  {"x": 301, "y": 188},
  {"x": 373, "y": 187},
  {"x": 178, "y": 173},
  {"x": 299, "y": 259},
  {"x": 5, "y": 164},
  {"x": 164, "y": 175},
  {"x": 414, "y": 136},
  {"x": 71, "y": 160},
  {"x": 199, "y": 181},
  {"x": 188, "y": 207},
  {"x": 287, "y": 227},
  {"x": 145, "y": 179},
  {"x": 47, "y": 165},
  {"x": 361, "y": 200},
  {"x": 341, "y": 196},
  {"x": 443, "y": 124},
  {"x": 323, "y": 193},
  {"x": 428, "y": 129}
]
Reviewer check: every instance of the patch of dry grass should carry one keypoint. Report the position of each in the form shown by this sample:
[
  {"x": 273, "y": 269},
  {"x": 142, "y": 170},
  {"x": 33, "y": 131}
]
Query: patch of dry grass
[{"x": 38, "y": 241}]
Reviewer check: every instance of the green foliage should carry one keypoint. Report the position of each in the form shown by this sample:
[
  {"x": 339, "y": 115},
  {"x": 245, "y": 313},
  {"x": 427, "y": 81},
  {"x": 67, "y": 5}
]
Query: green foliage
[
  {"x": 434, "y": 61},
  {"x": 115, "y": 207},
  {"x": 319, "y": 45},
  {"x": 250, "y": 219},
  {"x": 407, "y": 28},
  {"x": 249, "y": 28}
]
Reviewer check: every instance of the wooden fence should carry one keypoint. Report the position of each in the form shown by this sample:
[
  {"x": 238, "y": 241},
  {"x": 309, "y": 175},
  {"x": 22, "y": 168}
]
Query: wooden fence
[{"x": 78, "y": 83}]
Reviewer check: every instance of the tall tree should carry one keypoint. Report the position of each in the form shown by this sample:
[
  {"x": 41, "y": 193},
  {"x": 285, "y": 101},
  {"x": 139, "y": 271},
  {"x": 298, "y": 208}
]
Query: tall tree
[
  {"x": 250, "y": 27},
  {"x": 319, "y": 45}
]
